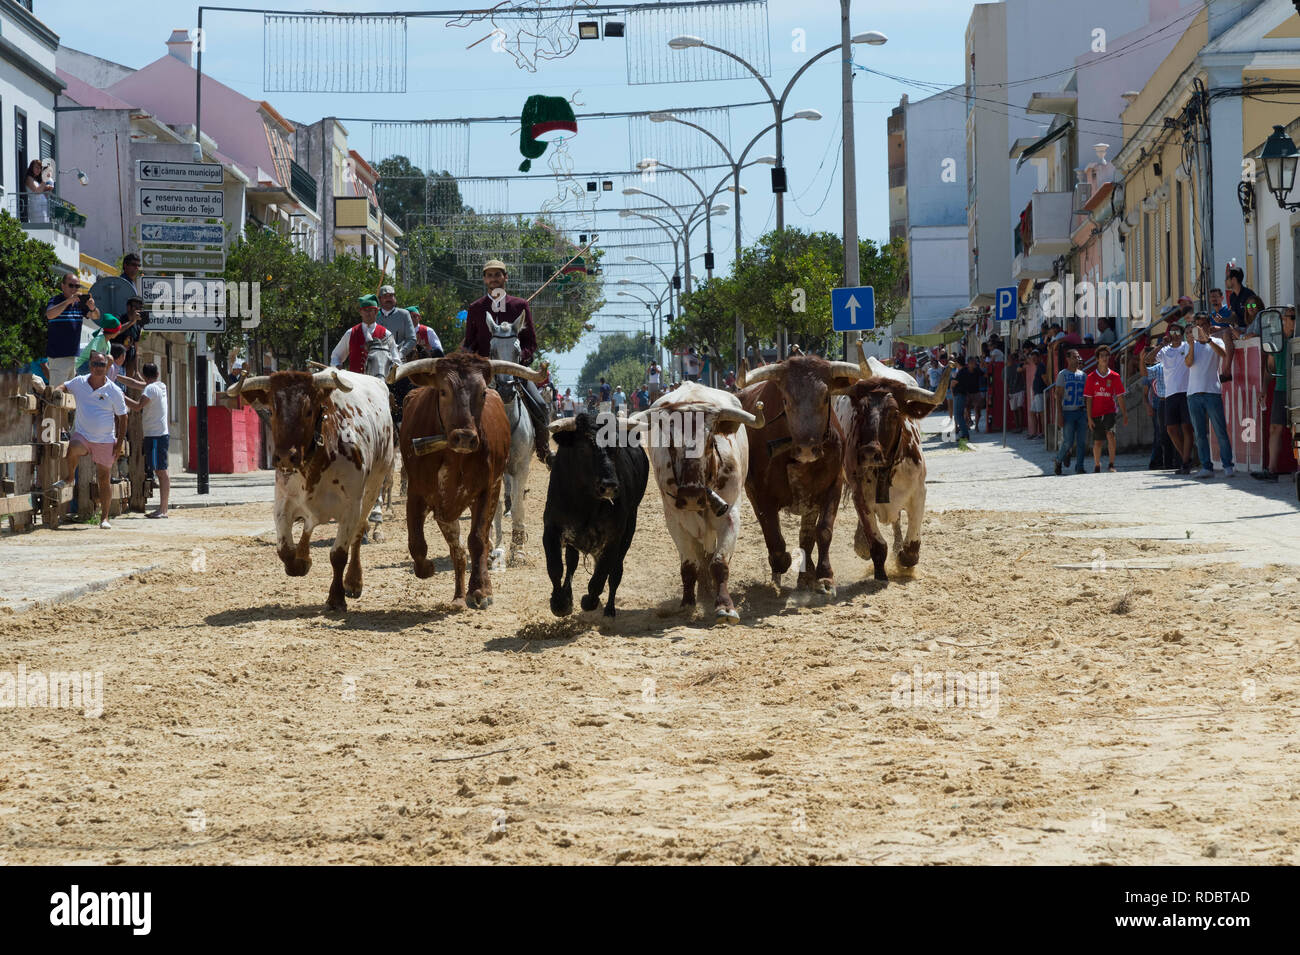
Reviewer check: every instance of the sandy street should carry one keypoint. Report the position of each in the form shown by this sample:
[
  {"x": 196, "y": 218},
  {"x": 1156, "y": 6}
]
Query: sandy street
[{"x": 1113, "y": 715}]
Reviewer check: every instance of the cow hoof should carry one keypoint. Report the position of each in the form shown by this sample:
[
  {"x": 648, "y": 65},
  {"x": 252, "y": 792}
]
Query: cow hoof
[
  {"x": 826, "y": 586},
  {"x": 910, "y": 555},
  {"x": 376, "y": 535},
  {"x": 424, "y": 569},
  {"x": 336, "y": 606},
  {"x": 479, "y": 601},
  {"x": 590, "y": 601},
  {"x": 297, "y": 568},
  {"x": 354, "y": 594},
  {"x": 881, "y": 575},
  {"x": 726, "y": 615},
  {"x": 458, "y": 603},
  {"x": 780, "y": 563},
  {"x": 609, "y": 612},
  {"x": 806, "y": 580},
  {"x": 561, "y": 606}
]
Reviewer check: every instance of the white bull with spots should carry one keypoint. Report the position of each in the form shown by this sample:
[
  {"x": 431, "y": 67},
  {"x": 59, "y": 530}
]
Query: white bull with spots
[{"x": 699, "y": 452}]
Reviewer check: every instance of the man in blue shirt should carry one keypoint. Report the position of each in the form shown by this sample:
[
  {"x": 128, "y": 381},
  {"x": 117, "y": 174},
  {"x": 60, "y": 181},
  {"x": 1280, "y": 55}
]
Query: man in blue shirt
[
  {"x": 64, "y": 314},
  {"x": 1070, "y": 403},
  {"x": 1163, "y": 455}
]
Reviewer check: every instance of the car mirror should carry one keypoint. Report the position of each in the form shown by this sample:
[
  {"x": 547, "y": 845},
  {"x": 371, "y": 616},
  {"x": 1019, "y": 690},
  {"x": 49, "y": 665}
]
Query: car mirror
[{"x": 1270, "y": 331}]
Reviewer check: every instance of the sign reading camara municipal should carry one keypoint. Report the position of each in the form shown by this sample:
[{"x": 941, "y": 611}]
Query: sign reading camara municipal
[
  {"x": 182, "y": 202},
  {"x": 180, "y": 173}
]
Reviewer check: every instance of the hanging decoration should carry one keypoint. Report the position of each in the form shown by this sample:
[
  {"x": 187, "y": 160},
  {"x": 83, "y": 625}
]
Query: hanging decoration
[{"x": 542, "y": 118}]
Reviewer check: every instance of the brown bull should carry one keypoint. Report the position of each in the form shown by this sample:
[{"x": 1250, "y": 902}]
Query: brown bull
[
  {"x": 795, "y": 460},
  {"x": 455, "y": 440},
  {"x": 883, "y": 463}
]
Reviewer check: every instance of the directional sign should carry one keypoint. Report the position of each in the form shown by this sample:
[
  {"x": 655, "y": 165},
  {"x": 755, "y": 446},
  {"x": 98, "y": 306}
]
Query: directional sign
[
  {"x": 853, "y": 309},
  {"x": 181, "y": 173},
  {"x": 182, "y": 202},
  {"x": 1005, "y": 304},
  {"x": 183, "y": 260},
  {"x": 184, "y": 305},
  {"x": 183, "y": 233}
]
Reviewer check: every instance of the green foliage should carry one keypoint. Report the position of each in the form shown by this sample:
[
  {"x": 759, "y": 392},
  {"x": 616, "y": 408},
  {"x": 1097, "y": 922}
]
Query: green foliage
[
  {"x": 785, "y": 279},
  {"x": 27, "y": 282},
  {"x": 623, "y": 355},
  {"x": 401, "y": 190}
]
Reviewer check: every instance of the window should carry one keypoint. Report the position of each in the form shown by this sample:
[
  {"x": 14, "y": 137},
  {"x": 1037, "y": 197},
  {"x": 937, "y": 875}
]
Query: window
[
  {"x": 1178, "y": 213},
  {"x": 1169, "y": 259},
  {"x": 20, "y": 146},
  {"x": 2, "y": 145},
  {"x": 1274, "y": 271}
]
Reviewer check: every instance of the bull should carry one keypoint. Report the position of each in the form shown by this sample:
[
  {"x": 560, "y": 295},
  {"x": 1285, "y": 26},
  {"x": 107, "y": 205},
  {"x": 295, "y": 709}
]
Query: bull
[
  {"x": 883, "y": 463},
  {"x": 591, "y": 504},
  {"x": 700, "y": 455},
  {"x": 455, "y": 440},
  {"x": 795, "y": 460},
  {"x": 333, "y": 438}
]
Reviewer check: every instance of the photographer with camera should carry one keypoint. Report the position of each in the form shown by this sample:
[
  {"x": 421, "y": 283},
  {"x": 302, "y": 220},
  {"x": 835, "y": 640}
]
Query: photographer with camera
[{"x": 65, "y": 314}]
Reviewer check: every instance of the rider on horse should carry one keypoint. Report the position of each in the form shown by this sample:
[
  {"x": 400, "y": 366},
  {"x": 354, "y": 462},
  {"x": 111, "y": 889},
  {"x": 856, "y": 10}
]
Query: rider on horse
[
  {"x": 478, "y": 339},
  {"x": 350, "y": 352},
  {"x": 427, "y": 344}
]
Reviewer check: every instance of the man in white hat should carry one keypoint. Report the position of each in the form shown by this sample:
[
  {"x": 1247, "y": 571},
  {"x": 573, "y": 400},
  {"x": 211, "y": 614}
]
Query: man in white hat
[
  {"x": 507, "y": 308},
  {"x": 397, "y": 321}
]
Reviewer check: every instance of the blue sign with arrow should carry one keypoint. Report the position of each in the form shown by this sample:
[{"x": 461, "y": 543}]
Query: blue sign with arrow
[
  {"x": 183, "y": 233},
  {"x": 853, "y": 309}
]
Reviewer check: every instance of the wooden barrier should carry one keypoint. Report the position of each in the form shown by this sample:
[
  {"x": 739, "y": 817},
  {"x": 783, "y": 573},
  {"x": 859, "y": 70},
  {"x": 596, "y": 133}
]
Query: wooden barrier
[{"x": 33, "y": 423}]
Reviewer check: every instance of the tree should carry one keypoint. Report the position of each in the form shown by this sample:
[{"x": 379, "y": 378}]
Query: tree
[
  {"x": 26, "y": 284},
  {"x": 401, "y": 190},
  {"x": 620, "y": 351}
]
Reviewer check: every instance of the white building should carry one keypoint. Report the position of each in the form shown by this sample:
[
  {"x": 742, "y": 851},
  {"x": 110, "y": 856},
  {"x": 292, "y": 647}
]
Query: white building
[{"x": 29, "y": 130}]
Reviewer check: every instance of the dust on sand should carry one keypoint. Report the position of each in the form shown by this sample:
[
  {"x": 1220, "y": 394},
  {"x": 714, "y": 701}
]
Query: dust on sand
[{"x": 1138, "y": 716}]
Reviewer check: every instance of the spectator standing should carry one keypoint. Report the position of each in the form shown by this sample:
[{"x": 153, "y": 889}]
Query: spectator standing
[
  {"x": 1038, "y": 384},
  {"x": 1016, "y": 393},
  {"x": 153, "y": 411},
  {"x": 643, "y": 399},
  {"x": 966, "y": 385},
  {"x": 1163, "y": 455},
  {"x": 1103, "y": 393},
  {"x": 116, "y": 369},
  {"x": 606, "y": 392},
  {"x": 1205, "y": 398},
  {"x": 65, "y": 314},
  {"x": 1220, "y": 313},
  {"x": 620, "y": 400},
  {"x": 100, "y": 429},
  {"x": 654, "y": 378},
  {"x": 691, "y": 365},
  {"x": 1279, "y": 427},
  {"x": 1237, "y": 293},
  {"x": 1178, "y": 421},
  {"x": 1070, "y": 402},
  {"x": 1072, "y": 337},
  {"x": 37, "y": 186},
  {"x": 1105, "y": 332}
]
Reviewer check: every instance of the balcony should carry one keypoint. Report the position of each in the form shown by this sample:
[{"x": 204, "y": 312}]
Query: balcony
[
  {"x": 1031, "y": 267},
  {"x": 59, "y": 232},
  {"x": 303, "y": 185},
  {"x": 1046, "y": 224}
]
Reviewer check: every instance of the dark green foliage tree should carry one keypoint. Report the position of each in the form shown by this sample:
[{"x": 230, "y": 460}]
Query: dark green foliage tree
[{"x": 27, "y": 282}]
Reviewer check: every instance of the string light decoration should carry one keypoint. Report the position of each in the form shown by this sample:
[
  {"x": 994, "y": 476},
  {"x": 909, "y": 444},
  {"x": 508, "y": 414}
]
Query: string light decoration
[
  {"x": 740, "y": 26},
  {"x": 439, "y": 144},
  {"x": 530, "y": 31},
  {"x": 333, "y": 53}
]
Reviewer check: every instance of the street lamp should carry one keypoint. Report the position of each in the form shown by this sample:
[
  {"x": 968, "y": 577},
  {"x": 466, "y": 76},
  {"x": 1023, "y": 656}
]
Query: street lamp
[{"x": 1280, "y": 158}]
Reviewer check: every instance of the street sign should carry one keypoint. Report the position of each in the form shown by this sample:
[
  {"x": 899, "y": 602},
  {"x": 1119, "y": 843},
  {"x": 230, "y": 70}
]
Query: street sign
[
  {"x": 1005, "y": 304},
  {"x": 181, "y": 322},
  {"x": 181, "y": 173},
  {"x": 183, "y": 233},
  {"x": 853, "y": 309},
  {"x": 183, "y": 260},
  {"x": 1004, "y": 328},
  {"x": 207, "y": 204},
  {"x": 180, "y": 304}
]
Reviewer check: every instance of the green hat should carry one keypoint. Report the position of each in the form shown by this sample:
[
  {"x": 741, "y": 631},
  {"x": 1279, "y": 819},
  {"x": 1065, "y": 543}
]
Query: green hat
[
  {"x": 413, "y": 309},
  {"x": 368, "y": 301},
  {"x": 542, "y": 115},
  {"x": 109, "y": 322}
]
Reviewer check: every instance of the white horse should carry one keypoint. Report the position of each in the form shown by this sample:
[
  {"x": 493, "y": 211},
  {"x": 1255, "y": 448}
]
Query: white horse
[
  {"x": 379, "y": 364},
  {"x": 505, "y": 346}
]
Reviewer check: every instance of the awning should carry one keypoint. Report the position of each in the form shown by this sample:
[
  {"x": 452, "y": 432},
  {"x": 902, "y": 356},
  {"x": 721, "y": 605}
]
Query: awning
[
  {"x": 1044, "y": 142},
  {"x": 933, "y": 340}
]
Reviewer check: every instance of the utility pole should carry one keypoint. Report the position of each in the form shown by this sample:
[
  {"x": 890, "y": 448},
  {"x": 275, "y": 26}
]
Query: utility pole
[{"x": 851, "y": 270}]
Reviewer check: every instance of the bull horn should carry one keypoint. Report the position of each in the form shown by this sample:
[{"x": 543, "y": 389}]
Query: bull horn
[
  {"x": 562, "y": 424},
  {"x": 765, "y": 373},
  {"x": 935, "y": 398},
  {"x": 744, "y": 417},
  {"x": 259, "y": 383},
  {"x": 639, "y": 419},
  {"x": 760, "y": 422},
  {"x": 742, "y": 374},
  {"x": 329, "y": 380},
  {"x": 500, "y": 367},
  {"x": 421, "y": 366},
  {"x": 846, "y": 368}
]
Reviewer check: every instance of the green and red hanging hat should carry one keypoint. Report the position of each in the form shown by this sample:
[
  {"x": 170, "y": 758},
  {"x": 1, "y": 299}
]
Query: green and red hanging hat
[{"x": 542, "y": 115}]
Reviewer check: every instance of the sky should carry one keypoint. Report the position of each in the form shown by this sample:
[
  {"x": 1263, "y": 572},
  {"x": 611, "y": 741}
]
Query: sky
[{"x": 444, "y": 80}]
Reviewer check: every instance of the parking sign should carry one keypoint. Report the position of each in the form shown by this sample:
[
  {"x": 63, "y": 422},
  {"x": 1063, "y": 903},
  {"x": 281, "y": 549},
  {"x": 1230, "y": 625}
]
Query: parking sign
[{"x": 1005, "y": 304}]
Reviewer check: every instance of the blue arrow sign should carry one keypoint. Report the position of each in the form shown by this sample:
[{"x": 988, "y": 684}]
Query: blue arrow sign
[
  {"x": 853, "y": 309},
  {"x": 183, "y": 233},
  {"x": 1005, "y": 304}
]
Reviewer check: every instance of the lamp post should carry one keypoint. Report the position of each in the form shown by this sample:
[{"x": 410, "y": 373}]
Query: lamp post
[{"x": 1280, "y": 158}]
